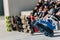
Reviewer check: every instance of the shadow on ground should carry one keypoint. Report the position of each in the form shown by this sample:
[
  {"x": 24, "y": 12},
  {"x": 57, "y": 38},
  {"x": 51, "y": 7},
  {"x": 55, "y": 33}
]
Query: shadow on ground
[
  {"x": 36, "y": 34},
  {"x": 58, "y": 34}
]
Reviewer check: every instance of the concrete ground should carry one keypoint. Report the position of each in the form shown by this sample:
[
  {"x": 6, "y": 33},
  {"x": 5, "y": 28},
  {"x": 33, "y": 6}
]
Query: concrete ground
[{"x": 15, "y": 35}]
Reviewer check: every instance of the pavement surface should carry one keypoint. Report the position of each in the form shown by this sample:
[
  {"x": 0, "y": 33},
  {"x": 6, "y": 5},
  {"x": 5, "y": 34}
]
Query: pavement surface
[{"x": 15, "y": 35}]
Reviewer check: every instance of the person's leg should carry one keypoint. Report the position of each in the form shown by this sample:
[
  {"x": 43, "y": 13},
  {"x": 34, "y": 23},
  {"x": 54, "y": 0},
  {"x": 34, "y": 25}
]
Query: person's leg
[
  {"x": 46, "y": 16},
  {"x": 40, "y": 0},
  {"x": 58, "y": 13},
  {"x": 46, "y": 0}
]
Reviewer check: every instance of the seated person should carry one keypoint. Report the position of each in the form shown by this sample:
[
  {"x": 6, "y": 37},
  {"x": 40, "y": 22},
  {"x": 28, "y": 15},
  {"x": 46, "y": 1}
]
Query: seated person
[
  {"x": 37, "y": 7},
  {"x": 39, "y": 12},
  {"x": 45, "y": 11}
]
